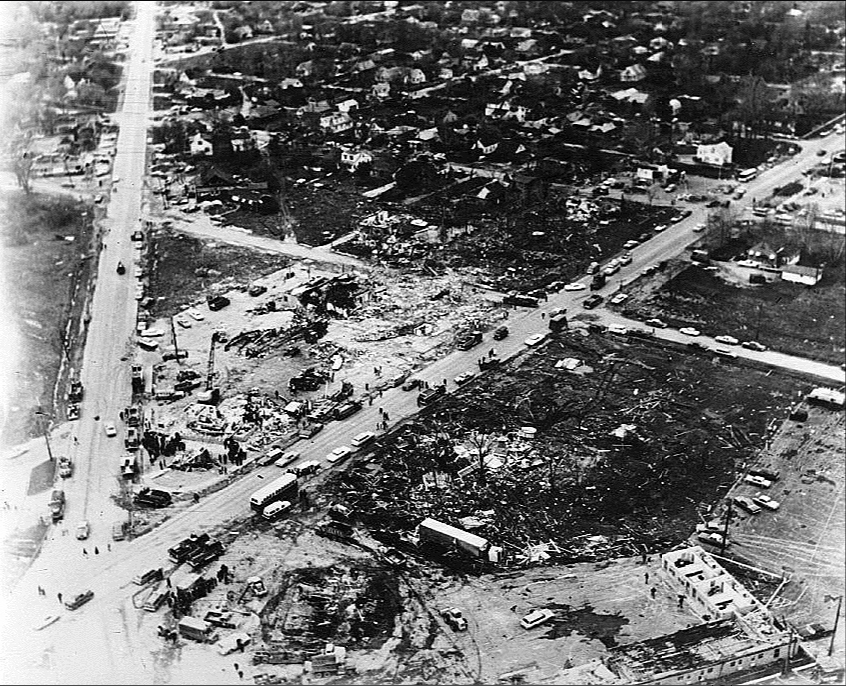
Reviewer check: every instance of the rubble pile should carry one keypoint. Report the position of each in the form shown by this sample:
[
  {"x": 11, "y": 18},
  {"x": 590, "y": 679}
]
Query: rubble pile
[{"x": 554, "y": 465}]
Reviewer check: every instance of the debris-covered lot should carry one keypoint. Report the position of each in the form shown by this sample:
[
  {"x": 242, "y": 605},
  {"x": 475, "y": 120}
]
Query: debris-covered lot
[{"x": 628, "y": 442}]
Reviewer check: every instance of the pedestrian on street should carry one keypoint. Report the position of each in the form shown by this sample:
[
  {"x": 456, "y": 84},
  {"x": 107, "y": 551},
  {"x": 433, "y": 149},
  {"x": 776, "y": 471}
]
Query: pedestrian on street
[
  {"x": 96, "y": 550},
  {"x": 681, "y": 601},
  {"x": 646, "y": 577},
  {"x": 109, "y": 547},
  {"x": 85, "y": 552},
  {"x": 387, "y": 418},
  {"x": 60, "y": 598},
  {"x": 236, "y": 666},
  {"x": 653, "y": 592}
]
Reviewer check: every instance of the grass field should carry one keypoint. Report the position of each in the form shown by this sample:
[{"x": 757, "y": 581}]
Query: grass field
[{"x": 47, "y": 251}]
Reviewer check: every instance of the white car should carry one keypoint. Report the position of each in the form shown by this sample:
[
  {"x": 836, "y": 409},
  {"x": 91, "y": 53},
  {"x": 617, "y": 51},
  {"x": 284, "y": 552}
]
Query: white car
[
  {"x": 151, "y": 333},
  {"x": 759, "y": 481},
  {"x": 83, "y": 529},
  {"x": 536, "y": 618},
  {"x": 535, "y": 340},
  {"x": 626, "y": 259},
  {"x": 184, "y": 323},
  {"x": 575, "y": 286},
  {"x": 660, "y": 228},
  {"x": 699, "y": 228},
  {"x": 766, "y": 501},
  {"x": 689, "y": 331},
  {"x": 657, "y": 323},
  {"x": 194, "y": 314},
  {"x": 362, "y": 439},
  {"x": 339, "y": 454},
  {"x": 286, "y": 459},
  {"x": 463, "y": 378},
  {"x": 728, "y": 340},
  {"x": 711, "y": 537},
  {"x": 110, "y": 429}
]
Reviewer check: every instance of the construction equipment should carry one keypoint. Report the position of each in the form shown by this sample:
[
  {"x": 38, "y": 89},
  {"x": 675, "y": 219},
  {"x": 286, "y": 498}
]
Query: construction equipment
[{"x": 211, "y": 395}]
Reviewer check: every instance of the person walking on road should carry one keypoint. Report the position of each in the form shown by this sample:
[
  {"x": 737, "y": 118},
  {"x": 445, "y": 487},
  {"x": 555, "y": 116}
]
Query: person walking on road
[{"x": 60, "y": 598}]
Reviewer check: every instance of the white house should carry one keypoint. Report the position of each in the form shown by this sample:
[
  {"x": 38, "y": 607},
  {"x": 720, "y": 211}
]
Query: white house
[
  {"x": 633, "y": 73},
  {"x": 352, "y": 158},
  {"x": 417, "y": 76},
  {"x": 290, "y": 83},
  {"x": 446, "y": 73},
  {"x": 336, "y": 122},
  {"x": 200, "y": 146},
  {"x": 718, "y": 154},
  {"x": 807, "y": 276},
  {"x": 347, "y": 106},
  {"x": 381, "y": 89}
]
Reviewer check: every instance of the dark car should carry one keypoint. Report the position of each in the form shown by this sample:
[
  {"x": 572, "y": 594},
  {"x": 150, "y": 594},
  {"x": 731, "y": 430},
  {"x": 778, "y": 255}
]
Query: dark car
[
  {"x": 310, "y": 430},
  {"x": 79, "y": 600},
  {"x": 218, "y": 302},
  {"x": 592, "y": 301},
  {"x": 500, "y": 333},
  {"x": 257, "y": 290},
  {"x": 411, "y": 384},
  {"x": 713, "y": 203}
]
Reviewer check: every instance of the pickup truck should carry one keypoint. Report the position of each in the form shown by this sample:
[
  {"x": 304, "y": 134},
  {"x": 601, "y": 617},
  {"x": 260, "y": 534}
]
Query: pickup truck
[{"x": 430, "y": 395}]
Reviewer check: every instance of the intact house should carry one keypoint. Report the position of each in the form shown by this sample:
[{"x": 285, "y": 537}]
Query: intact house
[
  {"x": 336, "y": 122},
  {"x": 719, "y": 154},
  {"x": 352, "y": 157},
  {"x": 807, "y": 276},
  {"x": 347, "y": 106},
  {"x": 381, "y": 90},
  {"x": 200, "y": 146},
  {"x": 633, "y": 73}
]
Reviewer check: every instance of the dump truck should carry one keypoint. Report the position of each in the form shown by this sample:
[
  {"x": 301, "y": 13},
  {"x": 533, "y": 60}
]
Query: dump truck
[
  {"x": 452, "y": 538},
  {"x": 187, "y": 547}
]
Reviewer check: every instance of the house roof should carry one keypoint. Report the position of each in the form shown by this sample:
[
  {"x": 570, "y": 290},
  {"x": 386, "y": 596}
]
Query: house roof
[{"x": 801, "y": 270}]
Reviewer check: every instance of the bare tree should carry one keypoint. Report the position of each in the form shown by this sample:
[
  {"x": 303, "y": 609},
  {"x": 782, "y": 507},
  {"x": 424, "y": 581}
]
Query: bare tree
[{"x": 481, "y": 444}]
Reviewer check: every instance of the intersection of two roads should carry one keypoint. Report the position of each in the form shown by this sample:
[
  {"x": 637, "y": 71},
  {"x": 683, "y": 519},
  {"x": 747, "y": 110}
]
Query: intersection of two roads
[{"x": 103, "y": 642}]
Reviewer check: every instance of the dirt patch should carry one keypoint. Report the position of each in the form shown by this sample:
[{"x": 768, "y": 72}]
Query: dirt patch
[
  {"x": 585, "y": 621},
  {"x": 186, "y": 267},
  {"x": 791, "y": 318},
  {"x": 41, "y": 477},
  {"x": 49, "y": 261}
]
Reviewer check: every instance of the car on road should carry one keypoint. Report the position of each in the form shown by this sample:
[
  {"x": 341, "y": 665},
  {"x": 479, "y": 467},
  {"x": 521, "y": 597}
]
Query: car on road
[
  {"x": 821, "y": 152},
  {"x": 766, "y": 501},
  {"x": 109, "y": 428},
  {"x": 305, "y": 468},
  {"x": 500, "y": 333},
  {"x": 454, "y": 618},
  {"x": 670, "y": 188},
  {"x": 690, "y": 331},
  {"x": 339, "y": 454},
  {"x": 79, "y": 600},
  {"x": 699, "y": 228},
  {"x": 536, "y": 618},
  {"x": 362, "y": 439},
  {"x": 184, "y": 323},
  {"x": 753, "y": 345},
  {"x": 628, "y": 245},
  {"x": 592, "y": 301},
  {"x": 739, "y": 193},
  {"x": 758, "y": 481},
  {"x": 575, "y": 286},
  {"x": 725, "y": 352},
  {"x": 119, "y": 531},
  {"x": 728, "y": 340},
  {"x": 536, "y": 339},
  {"x": 310, "y": 430},
  {"x": 626, "y": 258},
  {"x": 463, "y": 378},
  {"x": 713, "y": 203},
  {"x": 83, "y": 530},
  {"x": 257, "y": 290},
  {"x": 287, "y": 458},
  {"x": 657, "y": 323},
  {"x": 411, "y": 384},
  {"x": 195, "y": 315},
  {"x": 660, "y": 228}
]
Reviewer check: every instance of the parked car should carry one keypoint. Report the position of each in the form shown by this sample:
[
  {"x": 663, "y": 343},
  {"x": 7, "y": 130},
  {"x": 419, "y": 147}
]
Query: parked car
[
  {"x": 689, "y": 331},
  {"x": 575, "y": 286},
  {"x": 745, "y": 503},
  {"x": 711, "y": 537},
  {"x": 454, "y": 619},
  {"x": 339, "y": 454},
  {"x": 463, "y": 378},
  {"x": 766, "y": 501},
  {"x": 411, "y": 384},
  {"x": 257, "y": 290},
  {"x": 753, "y": 345},
  {"x": 592, "y": 301},
  {"x": 699, "y": 228},
  {"x": 83, "y": 530},
  {"x": 109, "y": 428},
  {"x": 500, "y": 333},
  {"x": 626, "y": 258},
  {"x": 79, "y": 600},
  {"x": 118, "y": 531},
  {"x": 310, "y": 430},
  {"x": 728, "y": 340},
  {"x": 362, "y": 439},
  {"x": 305, "y": 468},
  {"x": 628, "y": 245},
  {"x": 660, "y": 228},
  {"x": 536, "y": 618},
  {"x": 759, "y": 481},
  {"x": 657, "y": 323},
  {"x": 287, "y": 458},
  {"x": 534, "y": 340}
]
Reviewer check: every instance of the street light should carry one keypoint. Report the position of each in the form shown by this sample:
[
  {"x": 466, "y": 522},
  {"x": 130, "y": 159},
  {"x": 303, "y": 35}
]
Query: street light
[{"x": 47, "y": 432}]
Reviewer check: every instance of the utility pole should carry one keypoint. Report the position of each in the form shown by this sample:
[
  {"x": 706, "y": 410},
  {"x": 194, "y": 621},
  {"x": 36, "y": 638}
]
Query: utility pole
[
  {"x": 726, "y": 531},
  {"x": 46, "y": 434},
  {"x": 834, "y": 629}
]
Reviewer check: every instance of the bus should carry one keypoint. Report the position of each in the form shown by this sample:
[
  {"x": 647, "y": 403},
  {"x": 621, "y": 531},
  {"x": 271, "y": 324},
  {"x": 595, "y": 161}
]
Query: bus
[
  {"x": 747, "y": 174},
  {"x": 283, "y": 488}
]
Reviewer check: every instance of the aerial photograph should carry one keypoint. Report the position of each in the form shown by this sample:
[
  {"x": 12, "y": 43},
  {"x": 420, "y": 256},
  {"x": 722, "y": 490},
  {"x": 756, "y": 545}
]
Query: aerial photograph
[{"x": 423, "y": 342}]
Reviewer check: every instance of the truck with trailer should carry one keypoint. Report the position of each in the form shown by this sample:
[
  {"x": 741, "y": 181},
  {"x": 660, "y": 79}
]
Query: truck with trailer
[
  {"x": 520, "y": 300},
  {"x": 451, "y": 538}
]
